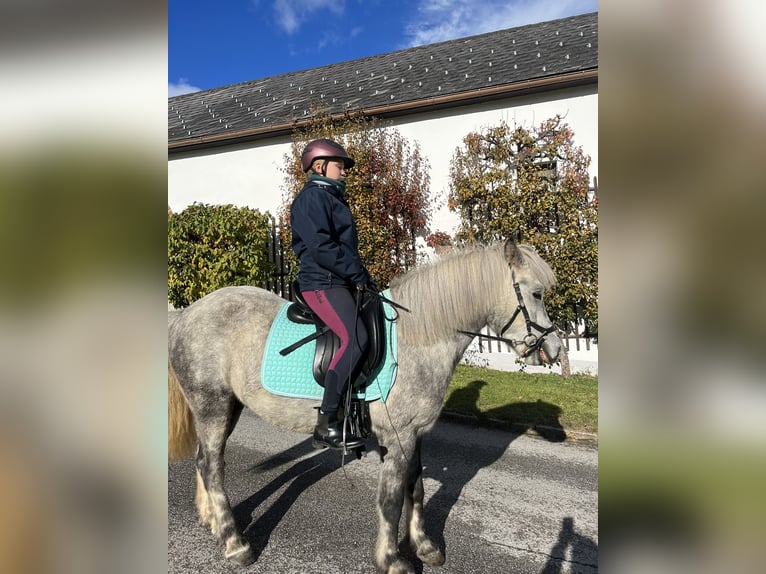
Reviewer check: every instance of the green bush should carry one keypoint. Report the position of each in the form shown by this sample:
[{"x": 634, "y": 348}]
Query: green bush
[{"x": 212, "y": 246}]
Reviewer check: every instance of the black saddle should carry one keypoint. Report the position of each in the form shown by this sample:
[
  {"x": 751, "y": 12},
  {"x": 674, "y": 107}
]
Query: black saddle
[{"x": 327, "y": 342}]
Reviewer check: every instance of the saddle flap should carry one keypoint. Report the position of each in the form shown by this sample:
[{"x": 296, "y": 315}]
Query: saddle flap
[{"x": 374, "y": 319}]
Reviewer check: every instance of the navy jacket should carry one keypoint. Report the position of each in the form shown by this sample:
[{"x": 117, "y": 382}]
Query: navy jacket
[{"x": 325, "y": 238}]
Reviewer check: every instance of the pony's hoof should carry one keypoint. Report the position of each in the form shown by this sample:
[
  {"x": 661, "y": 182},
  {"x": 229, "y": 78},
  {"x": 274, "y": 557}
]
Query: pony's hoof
[
  {"x": 243, "y": 555},
  {"x": 400, "y": 566},
  {"x": 431, "y": 555}
]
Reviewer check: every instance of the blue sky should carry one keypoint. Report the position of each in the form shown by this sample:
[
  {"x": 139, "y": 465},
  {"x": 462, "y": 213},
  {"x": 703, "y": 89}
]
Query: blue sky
[{"x": 214, "y": 44}]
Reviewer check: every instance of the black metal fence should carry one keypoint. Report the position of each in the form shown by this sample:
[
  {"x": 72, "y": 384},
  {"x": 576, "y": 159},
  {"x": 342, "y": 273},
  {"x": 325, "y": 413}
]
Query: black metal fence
[{"x": 280, "y": 280}]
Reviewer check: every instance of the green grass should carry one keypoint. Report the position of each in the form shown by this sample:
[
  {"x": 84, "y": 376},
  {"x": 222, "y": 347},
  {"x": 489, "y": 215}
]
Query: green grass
[{"x": 514, "y": 400}]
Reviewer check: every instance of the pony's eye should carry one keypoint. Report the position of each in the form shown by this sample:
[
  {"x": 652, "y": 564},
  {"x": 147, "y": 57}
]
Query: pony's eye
[{"x": 538, "y": 295}]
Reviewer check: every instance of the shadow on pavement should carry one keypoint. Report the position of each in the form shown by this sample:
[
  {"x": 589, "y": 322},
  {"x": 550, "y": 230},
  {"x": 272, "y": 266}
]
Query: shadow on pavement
[
  {"x": 301, "y": 475},
  {"x": 584, "y": 552},
  {"x": 475, "y": 455}
]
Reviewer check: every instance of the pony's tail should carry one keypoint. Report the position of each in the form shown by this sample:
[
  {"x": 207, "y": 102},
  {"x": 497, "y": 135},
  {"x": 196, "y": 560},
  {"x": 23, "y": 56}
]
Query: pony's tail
[{"x": 182, "y": 437}]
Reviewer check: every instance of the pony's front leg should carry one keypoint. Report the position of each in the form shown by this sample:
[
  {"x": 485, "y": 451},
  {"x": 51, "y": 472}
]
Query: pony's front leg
[
  {"x": 391, "y": 486},
  {"x": 421, "y": 544}
]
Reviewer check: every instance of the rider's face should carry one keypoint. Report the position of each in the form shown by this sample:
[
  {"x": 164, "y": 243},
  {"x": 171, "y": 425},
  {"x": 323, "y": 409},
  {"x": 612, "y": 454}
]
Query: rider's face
[{"x": 335, "y": 170}]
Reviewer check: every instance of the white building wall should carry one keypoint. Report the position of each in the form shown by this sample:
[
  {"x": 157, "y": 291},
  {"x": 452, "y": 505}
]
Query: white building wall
[
  {"x": 245, "y": 175},
  {"x": 250, "y": 175}
]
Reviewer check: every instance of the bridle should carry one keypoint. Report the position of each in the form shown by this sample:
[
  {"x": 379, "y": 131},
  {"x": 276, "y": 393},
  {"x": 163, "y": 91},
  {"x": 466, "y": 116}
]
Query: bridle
[{"x": 531, "y": 340}]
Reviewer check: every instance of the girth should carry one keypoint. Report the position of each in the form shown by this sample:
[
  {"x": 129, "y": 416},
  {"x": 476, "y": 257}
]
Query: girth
[{"x": 328, "y": 343}]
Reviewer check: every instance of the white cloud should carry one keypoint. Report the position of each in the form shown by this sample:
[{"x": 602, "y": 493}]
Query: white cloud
[
  {"x": 290, "y": 14},
  {"x": 181, "y": 87},
  {"x": 440, "y": 20}
]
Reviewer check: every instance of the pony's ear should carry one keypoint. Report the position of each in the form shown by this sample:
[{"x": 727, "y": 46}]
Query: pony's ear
[{"x": 512, "y": 253}]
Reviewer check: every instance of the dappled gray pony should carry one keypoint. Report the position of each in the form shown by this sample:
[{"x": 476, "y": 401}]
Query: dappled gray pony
[{"x": 215, "y": 347}]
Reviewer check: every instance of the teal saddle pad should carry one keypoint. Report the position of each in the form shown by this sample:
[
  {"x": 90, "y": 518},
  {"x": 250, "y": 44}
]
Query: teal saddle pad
[{"x": 292, "y": 375}]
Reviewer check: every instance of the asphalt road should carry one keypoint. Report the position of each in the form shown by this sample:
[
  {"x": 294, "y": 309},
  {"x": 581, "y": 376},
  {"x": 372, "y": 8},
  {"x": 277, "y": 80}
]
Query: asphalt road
[{"x": 496, "y": 502}]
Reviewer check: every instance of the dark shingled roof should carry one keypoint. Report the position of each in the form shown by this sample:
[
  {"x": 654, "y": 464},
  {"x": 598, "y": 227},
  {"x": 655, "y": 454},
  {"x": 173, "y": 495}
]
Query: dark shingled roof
[{"x": 538, "y": 56}]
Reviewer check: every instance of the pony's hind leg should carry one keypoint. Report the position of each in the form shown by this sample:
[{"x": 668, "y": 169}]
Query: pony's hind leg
[
  {"x": 202, "y": 498},
  {"x": 212, "y": 502},
  {"x": 421, "y": 544}
]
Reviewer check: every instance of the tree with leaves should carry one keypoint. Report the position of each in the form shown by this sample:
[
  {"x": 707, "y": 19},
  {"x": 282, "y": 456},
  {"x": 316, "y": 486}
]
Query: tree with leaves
[
  {"x": 212, "y": 246},
  {"x": 387, "y": 190},
  {"x": 532, "y": 185}
]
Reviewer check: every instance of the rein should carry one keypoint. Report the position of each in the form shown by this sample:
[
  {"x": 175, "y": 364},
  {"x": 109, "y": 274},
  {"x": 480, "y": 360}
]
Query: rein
[
  {"x": 380, "y": 296},
  {"x": 532, "y": 341}
]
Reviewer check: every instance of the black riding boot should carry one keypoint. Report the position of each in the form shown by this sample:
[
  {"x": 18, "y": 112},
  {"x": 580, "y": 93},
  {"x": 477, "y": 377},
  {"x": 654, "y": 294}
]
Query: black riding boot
[{"x": 329, "y": 433}]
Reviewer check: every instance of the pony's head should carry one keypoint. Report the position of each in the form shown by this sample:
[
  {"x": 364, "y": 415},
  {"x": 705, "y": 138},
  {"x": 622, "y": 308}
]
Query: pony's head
[
  {"x": 501, "y": 286},
  {"x": 519, "y": 315}
]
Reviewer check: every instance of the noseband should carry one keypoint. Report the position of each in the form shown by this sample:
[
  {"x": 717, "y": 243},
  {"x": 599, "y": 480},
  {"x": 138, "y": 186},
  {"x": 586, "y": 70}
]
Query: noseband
[{"x": 532, "y": 341}]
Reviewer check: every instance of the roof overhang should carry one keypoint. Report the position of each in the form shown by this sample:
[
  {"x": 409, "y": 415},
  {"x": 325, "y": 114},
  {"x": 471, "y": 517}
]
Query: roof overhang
[{"x": 393, "y": 110}]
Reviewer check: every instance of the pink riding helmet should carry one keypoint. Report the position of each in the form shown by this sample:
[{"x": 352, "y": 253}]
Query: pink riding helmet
[{"x": 324, "y": 149}]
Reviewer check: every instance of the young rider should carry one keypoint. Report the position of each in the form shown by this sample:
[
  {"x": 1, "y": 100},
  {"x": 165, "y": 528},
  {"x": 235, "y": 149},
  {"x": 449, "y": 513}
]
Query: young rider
[{"x": 326, "y": 244}]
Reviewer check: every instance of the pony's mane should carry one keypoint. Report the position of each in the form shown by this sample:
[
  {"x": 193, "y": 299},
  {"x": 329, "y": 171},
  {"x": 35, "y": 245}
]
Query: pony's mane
[{"x": 458, "y": 288}]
